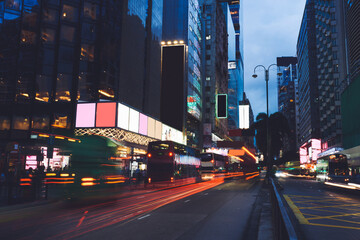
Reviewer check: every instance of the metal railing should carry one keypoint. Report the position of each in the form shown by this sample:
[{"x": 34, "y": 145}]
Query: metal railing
[{"x": 283, "y": 227}]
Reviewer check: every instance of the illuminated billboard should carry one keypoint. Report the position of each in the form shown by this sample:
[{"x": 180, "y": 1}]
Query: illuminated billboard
[
  {"x": 123, "y": 116},
  {"x": 85, "y": 115},
  {"x": 113, "y": 114},
  {"x": 105, "y": 114},
  {"x": 244, "y": 116}
]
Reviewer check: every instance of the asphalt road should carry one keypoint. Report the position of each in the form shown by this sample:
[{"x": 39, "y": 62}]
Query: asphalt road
[
  {"x": 322, "y": 212},
  {"x": 210, "y": 210}
]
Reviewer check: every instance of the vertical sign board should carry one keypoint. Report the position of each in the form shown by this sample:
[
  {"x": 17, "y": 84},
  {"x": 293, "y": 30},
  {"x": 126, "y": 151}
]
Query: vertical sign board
[{"x": 221, "y": 106}]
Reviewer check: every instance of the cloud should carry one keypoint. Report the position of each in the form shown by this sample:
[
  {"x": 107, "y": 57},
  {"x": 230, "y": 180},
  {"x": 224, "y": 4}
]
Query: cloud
[{"x": 271, "y": 28}]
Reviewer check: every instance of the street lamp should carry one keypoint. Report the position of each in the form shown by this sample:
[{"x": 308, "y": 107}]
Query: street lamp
[{"x": 269, "y": 164}]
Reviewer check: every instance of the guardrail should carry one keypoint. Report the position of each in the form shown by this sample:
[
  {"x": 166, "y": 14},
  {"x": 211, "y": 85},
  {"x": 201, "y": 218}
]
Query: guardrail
[{"x": 282, "y": 225}]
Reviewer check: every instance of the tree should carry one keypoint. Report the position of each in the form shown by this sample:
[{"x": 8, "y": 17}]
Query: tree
[{"x": 278, "y": 129}]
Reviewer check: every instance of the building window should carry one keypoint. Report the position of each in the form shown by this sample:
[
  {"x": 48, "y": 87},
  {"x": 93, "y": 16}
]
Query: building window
[
  {"x": 48, "y": 35},
  {"x": 40, "y": 122},
  {"x": 67, "y": 33},
  {"x": 208, "y": 47},
  {"x": 87, "y": 52},
  {"x": 21, "y": 123},
  {"x": 50, "y": 16},
  {"x": 43, "y": 88},
  {"x": 208, "y": 78},
  {"x": 63, "y": 87},
  {"x": 61, "y": 121},
  {"x": 69, "y": 13},
  {"x": 4, "y": 123},
  {"x": 90, "y": 10},
  {"x": 207, "y": 57},
  {"x": 27, "y": 37},
  {"x": 208, "y": 37}
]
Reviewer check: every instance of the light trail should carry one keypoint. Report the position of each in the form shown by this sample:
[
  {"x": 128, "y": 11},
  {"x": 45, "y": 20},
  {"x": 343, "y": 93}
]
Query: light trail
[{"x": 129, "y": 208}]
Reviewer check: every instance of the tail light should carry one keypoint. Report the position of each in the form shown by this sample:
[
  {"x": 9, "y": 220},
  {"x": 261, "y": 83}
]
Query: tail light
[
  {"x": 171, "y": 154},
  {"x": 149, "y": 155}
]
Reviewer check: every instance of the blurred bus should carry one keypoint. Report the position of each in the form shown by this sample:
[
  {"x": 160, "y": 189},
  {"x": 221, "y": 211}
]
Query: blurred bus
[
  {"x": 172, "y": 162},
  {"x": 332, "y": 167},
  {"x": 213, "y": 165}
]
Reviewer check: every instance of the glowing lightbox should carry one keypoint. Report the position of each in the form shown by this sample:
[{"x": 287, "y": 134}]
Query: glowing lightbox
[{"x": 85, "y": 115}]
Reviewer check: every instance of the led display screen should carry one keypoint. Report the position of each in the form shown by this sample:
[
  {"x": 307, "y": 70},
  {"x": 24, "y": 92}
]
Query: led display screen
[
  {"x": 105, "y": 114},
  {"x": 171, "y": 134},
  {"x": 158, "y": 129},
  {"x": 123, "y": 116},
  {"x": 151, "y": 127},
  {"x": 134, "y": 121},
  {"x": 85, "y": 115},
  {"x": 143, "y": 124}
]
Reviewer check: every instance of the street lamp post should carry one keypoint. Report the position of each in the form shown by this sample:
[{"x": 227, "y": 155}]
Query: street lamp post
[{"x": 268, "y": 159}]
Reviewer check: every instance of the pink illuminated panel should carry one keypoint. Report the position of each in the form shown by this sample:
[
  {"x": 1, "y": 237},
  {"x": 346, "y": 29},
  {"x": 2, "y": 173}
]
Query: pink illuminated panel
[
  {"x": 143, "y": 125},
  {"x": 85, "y": 115},
  {"x": 105, "y": 114}
]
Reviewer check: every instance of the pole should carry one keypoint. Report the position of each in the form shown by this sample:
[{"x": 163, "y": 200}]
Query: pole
[{"x": 267, "y": 126}]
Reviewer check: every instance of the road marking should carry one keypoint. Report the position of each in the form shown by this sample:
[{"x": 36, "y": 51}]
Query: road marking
[
  {"x": 141, "y": 197},
  {"x": 333, "y": 216},
  {"x": 187, "y": 201},
  {"x": 296, "y": 210},
  {"x": 148, "y": 215},
  {"x": 332, "y": 206},
  {"x": 333, "y": 226},
  {"x": 206, "y": 193}
]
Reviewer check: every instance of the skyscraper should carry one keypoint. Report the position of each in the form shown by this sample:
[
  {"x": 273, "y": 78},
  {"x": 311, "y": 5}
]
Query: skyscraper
[
  {"x": 287, "y": 98},
  {"x": 57, "y": 53},
  {"x": 215, "y": 68},
  {"x": 182, "y": 22}
]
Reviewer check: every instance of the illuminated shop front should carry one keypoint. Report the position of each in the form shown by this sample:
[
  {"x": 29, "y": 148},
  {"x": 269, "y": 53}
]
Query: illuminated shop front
[
  {"x": 126, "y": 127},
  {"x": 308, "y": 154}
]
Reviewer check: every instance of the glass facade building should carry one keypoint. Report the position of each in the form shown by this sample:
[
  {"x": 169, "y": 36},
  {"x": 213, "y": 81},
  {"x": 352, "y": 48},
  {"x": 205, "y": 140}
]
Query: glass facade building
[
  {"x": 54, "y": 53},
  {"x": 236, "y": 76},
  {"x": 182, "y": 22}
]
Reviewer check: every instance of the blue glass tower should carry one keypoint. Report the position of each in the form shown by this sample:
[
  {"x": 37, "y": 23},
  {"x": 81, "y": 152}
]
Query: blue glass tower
[{"x": 182, "y": 22}]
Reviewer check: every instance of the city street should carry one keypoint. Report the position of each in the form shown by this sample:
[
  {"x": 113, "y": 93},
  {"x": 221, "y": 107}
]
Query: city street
[
  {"x": 322, "y": 212},
  {"x": 207, "y": 210}
]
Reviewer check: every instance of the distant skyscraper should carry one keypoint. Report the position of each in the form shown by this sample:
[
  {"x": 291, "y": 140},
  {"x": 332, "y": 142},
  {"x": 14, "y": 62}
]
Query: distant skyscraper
[
  {"x": 287, "y": 97},
  {"x": 182, "y": 21},
  {"x": 236, "y": 75}
]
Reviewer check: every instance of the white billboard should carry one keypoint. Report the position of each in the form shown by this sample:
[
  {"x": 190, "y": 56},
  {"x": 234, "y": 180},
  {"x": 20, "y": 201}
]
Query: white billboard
[{"x": 244, "y": 116}]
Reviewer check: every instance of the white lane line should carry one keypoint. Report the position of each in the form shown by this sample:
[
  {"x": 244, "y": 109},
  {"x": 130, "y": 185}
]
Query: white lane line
[
  {"x": 148, "y": 215},
  {"x": 206, "y": 193},
  {"x": 187, "y": 201},
  {"x": 141, "y": 197}
]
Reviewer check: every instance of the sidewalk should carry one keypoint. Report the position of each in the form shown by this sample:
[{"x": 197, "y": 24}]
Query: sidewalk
[{"x": 265, "y": 231}]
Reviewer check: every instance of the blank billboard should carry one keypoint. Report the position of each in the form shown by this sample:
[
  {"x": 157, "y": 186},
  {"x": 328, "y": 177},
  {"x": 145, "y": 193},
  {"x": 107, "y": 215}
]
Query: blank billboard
[
  {"x": 244, "y": 116},
  {"x": 221, "y": 105}
]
